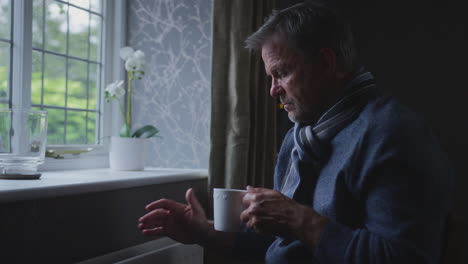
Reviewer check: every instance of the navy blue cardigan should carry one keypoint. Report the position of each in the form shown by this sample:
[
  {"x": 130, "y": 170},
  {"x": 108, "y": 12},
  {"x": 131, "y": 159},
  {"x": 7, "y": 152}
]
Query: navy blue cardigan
[{"x": 385, "y": 188}]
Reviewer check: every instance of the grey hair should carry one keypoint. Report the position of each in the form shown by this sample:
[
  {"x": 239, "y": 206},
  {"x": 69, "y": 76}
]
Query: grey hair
[{"x": 307, "y": 27}]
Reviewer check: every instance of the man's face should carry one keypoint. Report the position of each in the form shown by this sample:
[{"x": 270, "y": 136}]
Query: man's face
[{"x": 300, "y": 85}]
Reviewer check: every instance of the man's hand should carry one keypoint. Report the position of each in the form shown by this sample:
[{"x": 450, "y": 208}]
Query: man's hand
[
  {"x": 273, "y": 213},
  {"x": 184, "y": 223}
]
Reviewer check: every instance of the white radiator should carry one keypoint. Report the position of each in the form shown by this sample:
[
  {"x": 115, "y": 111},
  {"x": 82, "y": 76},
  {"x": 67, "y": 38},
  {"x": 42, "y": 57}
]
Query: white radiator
[{"x": 160, "y": 251}]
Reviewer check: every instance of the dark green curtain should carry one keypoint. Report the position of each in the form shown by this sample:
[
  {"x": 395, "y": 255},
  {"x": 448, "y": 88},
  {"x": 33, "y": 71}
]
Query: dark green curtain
[{"x": 243, "y": 115}]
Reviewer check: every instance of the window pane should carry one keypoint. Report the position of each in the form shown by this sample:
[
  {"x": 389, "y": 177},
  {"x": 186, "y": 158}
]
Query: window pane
[
  {"x": 55, "y": 126},
  {"x": 36, "y": 78},
  {"x": 92, "y": 128},
  {"x": 62, "y": 80},
  {"x": 79, "y": 33},
  {"x": 95, "y": 38},
  {"x": 93, "y": 85},
  {"x": 54, "y": 80},
  {"x": 80, "y": 3},
  {"x": 96, "y": 5},
  {"x": 76, "y": 127},
  {"x": 37, "y": 23},
  {"x": 5, "y": 18},
  {"x": 4, "y": 71},
  {"x": 77, "y": 80},
  {"x": 56, "y": 26}
]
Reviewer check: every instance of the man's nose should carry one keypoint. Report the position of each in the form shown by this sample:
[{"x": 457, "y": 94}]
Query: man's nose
[{"x": 275, "y": 90}]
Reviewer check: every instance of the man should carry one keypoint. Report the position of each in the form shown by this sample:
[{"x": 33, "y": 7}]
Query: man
[{"x": 359, "y": 179}]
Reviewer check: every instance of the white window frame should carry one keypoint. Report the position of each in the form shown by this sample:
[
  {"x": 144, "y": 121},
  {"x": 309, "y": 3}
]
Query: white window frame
[{"x": 114, "y": 38}]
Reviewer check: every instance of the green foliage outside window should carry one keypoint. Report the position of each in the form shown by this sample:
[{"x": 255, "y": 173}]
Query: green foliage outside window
[
  {"x": 76, "y": 120},
  {"x": 60, "y": 82}
]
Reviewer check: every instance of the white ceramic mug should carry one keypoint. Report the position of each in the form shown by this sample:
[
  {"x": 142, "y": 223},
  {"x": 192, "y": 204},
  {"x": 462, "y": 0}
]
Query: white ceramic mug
[{"x": 227, "y": 204}]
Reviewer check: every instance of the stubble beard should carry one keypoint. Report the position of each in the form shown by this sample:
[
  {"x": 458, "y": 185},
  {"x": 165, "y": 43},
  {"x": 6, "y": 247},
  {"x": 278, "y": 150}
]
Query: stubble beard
[{"x": 300, "y": 115}]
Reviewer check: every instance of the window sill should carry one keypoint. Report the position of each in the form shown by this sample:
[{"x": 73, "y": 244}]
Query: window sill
[
  {"x": 92, "y": 160},
  {"x": 60, "y": 183}
]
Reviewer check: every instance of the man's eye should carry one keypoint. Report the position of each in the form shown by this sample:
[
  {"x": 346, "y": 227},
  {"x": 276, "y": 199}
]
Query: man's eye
[{"x": 281, "y": 74}]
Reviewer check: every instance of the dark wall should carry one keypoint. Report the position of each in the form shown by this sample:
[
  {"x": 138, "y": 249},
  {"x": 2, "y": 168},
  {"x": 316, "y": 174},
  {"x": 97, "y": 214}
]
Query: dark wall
[
  {"x": 72, "y": 228},
  {"x": 418, "y": 52}
]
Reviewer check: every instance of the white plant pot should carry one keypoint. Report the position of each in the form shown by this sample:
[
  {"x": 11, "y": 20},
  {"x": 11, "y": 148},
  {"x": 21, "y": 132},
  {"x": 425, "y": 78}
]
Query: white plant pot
[{"x": 128, "y": 154}]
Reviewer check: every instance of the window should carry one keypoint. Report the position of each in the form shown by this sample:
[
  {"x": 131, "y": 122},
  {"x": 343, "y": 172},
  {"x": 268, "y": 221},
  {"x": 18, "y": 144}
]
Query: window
[
  {"x": 5, "y": 52},
  {"x": 66, "y": 68},
  {"x": 52, "y": 57}
]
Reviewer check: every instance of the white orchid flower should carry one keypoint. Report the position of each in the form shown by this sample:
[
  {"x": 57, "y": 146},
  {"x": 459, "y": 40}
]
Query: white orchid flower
[
  {"x": 115, "y": 89},
  {"x": 126, "y": 53},
  {"x": 135, "y": 63},
  {"x": 131, "y": 64},
  {"x": 139, "y": 55},
  {"x": 134, "y": 60}
]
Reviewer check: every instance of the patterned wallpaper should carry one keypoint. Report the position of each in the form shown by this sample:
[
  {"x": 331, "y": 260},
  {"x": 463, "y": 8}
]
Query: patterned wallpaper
[{"x": 174, "y": 95}]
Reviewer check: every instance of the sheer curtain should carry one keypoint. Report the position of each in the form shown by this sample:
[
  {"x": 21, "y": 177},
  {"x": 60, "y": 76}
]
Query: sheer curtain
[{"x": 243, "y": 115}]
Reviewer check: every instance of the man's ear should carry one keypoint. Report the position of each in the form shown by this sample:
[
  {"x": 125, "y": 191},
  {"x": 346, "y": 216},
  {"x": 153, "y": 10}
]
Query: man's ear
[{"x": 328, "y": 60}]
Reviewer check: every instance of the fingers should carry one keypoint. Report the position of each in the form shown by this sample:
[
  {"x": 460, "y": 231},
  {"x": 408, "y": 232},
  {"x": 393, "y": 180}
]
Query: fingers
[
  {"x": 251, "y": 195},
  {"x": 162, "y": 203},
  {"x": 262, "y": 208},
  {"x": 157, "y": 218},
  {"x": 265, "y": 221},
  {"x": 193, "y": 202},
  {"x": 260, "y": 194},
  {"x": 153, "y": 223},
  {"x": 245, "y": 215},
  {"x": 256, "y": 221},
  {"x": 154, "y": 218},
  {"x": 256, "y": 190},
  {"x": 154, "y": 232},
  {"x": 268, "y": 211},
  {"x": 250, "y": 213},
  {"x": 172, "y": 205},
  {"x": 267, "y": 225}
]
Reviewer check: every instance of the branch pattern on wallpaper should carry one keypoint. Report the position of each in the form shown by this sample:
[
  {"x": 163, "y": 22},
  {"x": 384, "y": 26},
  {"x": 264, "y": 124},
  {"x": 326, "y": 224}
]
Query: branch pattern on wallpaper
[{"x": 175, "y": 35}]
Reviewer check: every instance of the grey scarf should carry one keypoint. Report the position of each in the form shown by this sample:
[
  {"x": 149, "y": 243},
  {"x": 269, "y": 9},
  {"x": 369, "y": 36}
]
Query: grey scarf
[{"x": 311, "y": 142}]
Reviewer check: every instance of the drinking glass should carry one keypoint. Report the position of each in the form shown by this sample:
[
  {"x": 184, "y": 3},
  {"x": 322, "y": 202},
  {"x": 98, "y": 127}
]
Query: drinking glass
[{"x": 23, "y": 135}]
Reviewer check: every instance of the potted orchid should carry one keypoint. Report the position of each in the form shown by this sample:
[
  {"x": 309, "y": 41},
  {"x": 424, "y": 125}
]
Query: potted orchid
[{"x": 127, "y": 151}]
